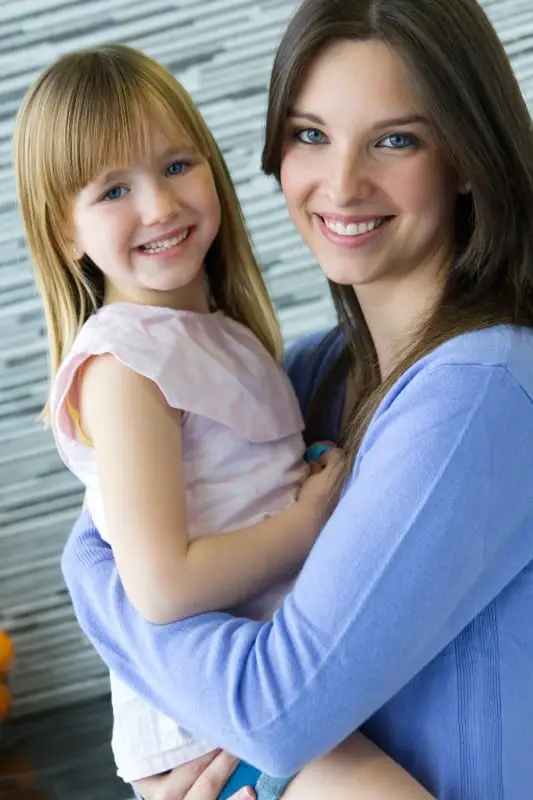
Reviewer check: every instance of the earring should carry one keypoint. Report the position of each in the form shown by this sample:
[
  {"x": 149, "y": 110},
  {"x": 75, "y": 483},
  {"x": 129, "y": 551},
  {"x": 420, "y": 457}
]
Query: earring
[{"x": 466, "y": 189}]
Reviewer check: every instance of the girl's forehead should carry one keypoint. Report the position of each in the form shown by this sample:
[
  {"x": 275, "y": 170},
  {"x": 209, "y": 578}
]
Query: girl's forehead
[{"x": 145, "y": 146}]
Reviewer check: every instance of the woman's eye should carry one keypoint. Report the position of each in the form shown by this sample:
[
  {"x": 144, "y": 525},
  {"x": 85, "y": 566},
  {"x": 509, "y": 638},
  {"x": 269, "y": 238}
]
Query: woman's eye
[
  {"x": 176, "y": 168},
  {"x": 115, "y": 193},
  {"x": 399, "y": 141},
  {"x": 310, "y": 136}
]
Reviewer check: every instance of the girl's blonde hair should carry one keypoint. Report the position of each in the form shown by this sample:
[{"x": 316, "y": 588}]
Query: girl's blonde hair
[{"x": 97, "y": 108}]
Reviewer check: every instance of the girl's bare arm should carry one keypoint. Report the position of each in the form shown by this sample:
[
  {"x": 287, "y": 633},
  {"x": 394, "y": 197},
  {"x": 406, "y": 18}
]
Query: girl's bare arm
[{"x": 137, "y": 437}]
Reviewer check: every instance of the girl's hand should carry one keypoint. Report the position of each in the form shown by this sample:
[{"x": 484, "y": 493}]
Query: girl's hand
[
  {"x": 322, "y": 480},
  {"x": 201, "y": 779}
]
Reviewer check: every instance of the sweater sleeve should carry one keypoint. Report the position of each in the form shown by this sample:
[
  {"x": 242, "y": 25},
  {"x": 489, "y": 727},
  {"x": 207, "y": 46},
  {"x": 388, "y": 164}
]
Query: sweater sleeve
[{"x": 420, "y": 542}]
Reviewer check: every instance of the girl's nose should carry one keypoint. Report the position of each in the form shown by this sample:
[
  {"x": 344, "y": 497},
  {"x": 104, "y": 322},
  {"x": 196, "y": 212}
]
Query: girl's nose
[{"x": 158, "y": 205}]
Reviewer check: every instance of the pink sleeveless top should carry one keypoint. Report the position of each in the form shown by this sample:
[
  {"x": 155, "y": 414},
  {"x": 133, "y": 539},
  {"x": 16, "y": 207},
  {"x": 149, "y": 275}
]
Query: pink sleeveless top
[
  {"x": 241, "y": 424},
  {"x": 242, "y": 461}
]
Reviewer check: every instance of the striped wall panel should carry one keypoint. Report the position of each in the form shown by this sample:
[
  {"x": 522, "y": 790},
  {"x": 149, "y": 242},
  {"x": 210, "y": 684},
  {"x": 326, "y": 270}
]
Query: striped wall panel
[{"x": 222, "y": 51}]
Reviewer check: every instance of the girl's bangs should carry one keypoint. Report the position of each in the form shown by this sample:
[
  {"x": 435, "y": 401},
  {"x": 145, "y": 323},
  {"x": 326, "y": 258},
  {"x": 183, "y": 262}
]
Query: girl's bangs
[{"x": 108, "y": 129}]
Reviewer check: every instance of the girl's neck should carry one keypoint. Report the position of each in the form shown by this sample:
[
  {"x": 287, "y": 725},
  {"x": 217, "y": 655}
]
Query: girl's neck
[{"x": 193, "y": 297}]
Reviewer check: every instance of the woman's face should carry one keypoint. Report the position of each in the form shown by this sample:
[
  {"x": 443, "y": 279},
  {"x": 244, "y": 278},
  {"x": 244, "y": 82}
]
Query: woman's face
[{"x": 365, "y": 181}]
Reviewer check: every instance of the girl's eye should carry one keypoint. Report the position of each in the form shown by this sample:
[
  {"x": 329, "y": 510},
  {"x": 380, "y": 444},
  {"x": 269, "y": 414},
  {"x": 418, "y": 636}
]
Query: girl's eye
[
  {"x": 399, "y": 141},
  {"x": 176, "y": 168},
  {"x": 115, "y": 193},
  {"x": 310, "y": 136}
]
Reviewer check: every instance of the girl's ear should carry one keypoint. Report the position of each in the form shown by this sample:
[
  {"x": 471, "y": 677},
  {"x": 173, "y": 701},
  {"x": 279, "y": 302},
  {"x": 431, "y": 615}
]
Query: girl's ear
[{"x": 73, "y": 250}]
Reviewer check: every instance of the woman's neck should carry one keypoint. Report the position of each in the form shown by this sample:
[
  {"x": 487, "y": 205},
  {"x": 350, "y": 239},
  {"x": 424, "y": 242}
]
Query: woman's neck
[{"x": 394, "y": 311}]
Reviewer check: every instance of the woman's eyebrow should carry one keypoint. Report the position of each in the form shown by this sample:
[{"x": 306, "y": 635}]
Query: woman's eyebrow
[
  {"x": 407, "y": 119},
  {"x": 297, "y": 112}
]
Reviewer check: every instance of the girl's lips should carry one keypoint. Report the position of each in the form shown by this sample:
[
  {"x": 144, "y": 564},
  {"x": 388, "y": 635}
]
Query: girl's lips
[
  {"x": 172, "y": 251},
  {"x": 175, "y": 233}
]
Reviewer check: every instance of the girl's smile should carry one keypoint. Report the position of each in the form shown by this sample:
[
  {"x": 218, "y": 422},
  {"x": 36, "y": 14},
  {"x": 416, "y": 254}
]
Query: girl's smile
[{"x": 148, "y": 226}]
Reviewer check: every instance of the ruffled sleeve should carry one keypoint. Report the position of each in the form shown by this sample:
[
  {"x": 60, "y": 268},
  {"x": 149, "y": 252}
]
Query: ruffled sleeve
[{"x": 204, "y": 364}]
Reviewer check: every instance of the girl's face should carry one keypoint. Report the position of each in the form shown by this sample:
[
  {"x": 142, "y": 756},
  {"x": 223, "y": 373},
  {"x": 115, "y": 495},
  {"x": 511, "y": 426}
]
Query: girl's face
[
  {"x": 148, "y": 226},
  {"x": 365, "y": 181}
]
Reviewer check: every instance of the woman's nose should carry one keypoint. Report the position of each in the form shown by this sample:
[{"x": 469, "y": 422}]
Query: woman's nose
[{"x": 348, "y": 179}]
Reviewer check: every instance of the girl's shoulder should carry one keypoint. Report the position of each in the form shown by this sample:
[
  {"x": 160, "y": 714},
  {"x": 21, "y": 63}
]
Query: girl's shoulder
[
  {"x": 204, "y": 364},
  {"x": 149, "y": 339}
]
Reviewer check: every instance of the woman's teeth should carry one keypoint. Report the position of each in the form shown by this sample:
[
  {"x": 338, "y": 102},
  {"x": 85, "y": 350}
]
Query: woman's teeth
[
  {"x": 164, "y": 244},
  {"x": 353, "y": 229}
]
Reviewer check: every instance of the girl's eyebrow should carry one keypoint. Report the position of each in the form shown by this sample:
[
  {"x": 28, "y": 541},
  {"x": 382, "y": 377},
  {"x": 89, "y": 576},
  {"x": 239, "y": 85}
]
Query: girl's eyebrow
[
  {"x": 408, "y": 119},
  {"x": 176, "y": 150},
  {"x": 109, "y": 176}
]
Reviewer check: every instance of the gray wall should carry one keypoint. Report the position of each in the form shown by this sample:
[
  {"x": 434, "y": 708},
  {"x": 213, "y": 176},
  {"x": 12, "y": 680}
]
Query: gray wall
[{"x": 222, "y": 51}]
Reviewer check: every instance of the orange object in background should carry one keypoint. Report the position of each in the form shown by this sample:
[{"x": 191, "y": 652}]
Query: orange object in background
[
  {"x": 5, "y": 701},
  {"x": 17, "y": 781},
  {"x": 7, "y": 654}
]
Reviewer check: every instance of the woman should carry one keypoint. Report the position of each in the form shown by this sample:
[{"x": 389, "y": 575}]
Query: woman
[{"x": 405, "y": 153}]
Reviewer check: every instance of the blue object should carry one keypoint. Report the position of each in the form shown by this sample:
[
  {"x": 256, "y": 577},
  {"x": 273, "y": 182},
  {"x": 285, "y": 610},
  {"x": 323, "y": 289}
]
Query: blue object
[
  {"x": 314, "y": 452},
  {"x": 244, "y": 775},
  {"x": 266, "y": 787}
]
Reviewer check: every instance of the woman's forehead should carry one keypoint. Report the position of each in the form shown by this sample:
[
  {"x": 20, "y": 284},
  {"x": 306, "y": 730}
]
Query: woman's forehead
[{"x": 363, "y": 78}]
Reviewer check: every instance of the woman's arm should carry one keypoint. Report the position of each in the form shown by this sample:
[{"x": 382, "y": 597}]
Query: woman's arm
[
  {"x": 420, "y": 543},
  {"x": 137, "y": 438}
]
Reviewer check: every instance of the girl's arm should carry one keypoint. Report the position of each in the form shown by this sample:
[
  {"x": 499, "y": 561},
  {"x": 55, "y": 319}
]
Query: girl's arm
[
  {"x": 355, "y": 770},
  {"x": 137, "y": 437},
  {"x": 428, "y": 532}
]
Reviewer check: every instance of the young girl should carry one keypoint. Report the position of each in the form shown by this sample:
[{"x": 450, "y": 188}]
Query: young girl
[
  {"x": 167, "y": 401},
  {"x": 404, "y": 149}
]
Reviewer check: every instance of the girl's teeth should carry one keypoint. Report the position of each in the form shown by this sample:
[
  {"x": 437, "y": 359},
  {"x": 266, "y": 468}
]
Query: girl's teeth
[
  {"x": 165, "y": 244},
  {"x": 353, "y": 229}
]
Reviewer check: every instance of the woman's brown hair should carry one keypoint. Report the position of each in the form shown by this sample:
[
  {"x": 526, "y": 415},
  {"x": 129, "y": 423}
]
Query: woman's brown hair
[
  {"x": 478, "y": 114},
  {"x": 98, "y": 107}
]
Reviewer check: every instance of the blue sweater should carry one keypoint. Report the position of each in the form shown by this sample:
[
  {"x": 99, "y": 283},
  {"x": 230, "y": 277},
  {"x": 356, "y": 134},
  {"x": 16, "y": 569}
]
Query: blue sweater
[{"x": 412, "y": 618}]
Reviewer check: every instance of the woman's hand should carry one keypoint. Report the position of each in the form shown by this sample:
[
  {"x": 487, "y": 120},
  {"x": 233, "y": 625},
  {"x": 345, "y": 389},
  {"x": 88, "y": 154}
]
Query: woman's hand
[{"x": 201, "y": 779}]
